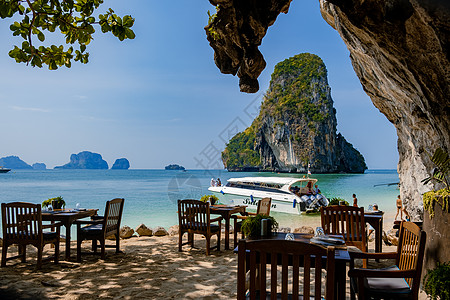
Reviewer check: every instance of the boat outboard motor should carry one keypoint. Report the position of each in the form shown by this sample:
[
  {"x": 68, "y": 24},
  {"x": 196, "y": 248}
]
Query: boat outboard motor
[
  {"x": 306, "y": 199},
  {"x": 322, "y": 200},
  {"x": 313, "y": 202}
]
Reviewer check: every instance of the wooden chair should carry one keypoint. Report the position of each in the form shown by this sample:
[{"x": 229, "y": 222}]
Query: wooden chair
[
  {"x": 347, "y": 221},
  {"x": 254, "y": 257},
  {"x": 22, "y": 225},
  {"x": 99, "y": 228},
  {"x": 194, "y": 218},
  {"x": 402, "y": 280},
  {"x": 263, "y": 209}
]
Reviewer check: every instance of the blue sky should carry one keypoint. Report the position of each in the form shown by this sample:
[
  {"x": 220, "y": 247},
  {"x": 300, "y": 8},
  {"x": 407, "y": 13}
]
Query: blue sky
[{"x": 160, "y": 99}]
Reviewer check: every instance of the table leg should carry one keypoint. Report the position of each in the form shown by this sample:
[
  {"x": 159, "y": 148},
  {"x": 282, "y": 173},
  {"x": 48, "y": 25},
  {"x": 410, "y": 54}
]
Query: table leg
[
  {"x": 379, "y": 237},
  {"x": 341, "y": 279},
  {"x": 67, "y": 241},
  {"x": 379, "y": 243},
  {"x": 227, "y": 233}
]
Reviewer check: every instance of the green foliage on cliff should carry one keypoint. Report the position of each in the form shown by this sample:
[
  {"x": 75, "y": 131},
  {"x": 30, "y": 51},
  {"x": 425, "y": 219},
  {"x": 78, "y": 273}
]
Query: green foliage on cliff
[
  {"x": 293, "y": 82},
  {"x": 240, "y": 151}
]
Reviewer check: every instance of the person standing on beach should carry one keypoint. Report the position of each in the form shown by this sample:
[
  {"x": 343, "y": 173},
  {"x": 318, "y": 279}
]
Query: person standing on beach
[
  {"x": 407, "y": 216},
  {"x": 355, "y": 200},
  {"x": 399, "y": 208}
]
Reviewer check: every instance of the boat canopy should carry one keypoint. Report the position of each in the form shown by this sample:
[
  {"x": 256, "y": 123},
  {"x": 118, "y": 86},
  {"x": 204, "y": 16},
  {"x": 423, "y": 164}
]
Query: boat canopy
[{"x": 275, "y": 182}]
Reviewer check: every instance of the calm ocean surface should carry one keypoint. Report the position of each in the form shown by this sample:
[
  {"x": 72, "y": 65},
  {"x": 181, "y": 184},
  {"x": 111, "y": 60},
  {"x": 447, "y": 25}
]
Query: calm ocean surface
[{"x": 151, "y": 195}]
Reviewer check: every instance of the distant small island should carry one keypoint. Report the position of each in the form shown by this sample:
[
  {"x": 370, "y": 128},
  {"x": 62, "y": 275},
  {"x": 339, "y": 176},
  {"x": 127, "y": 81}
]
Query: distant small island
[
  {"x": 174, "y": 167},
  {"x": 85, "y": 160},
  {"x": 121, "y": 164}
]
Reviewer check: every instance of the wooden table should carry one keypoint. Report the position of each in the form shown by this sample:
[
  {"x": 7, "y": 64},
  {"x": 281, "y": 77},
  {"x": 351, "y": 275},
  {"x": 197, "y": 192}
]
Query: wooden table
[
  {"x": 67, "y": 217},
  {"x": 226, "y": 212},
  {"x": 376, "y": 221},
  {"x": 341, "y": 259}
]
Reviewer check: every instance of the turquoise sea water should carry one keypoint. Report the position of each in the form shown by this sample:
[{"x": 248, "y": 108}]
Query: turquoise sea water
[{"x": 151, "y": 195}]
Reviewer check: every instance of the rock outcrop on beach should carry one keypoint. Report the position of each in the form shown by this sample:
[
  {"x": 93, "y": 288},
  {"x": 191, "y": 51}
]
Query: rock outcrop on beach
[
  {"x": 39, "y": 166},
  {"x": 121, "y": 164},
  {"x": 85, "y": 160},
  {"x": 14, "y": 162},
  {"x": 296, "y": 127},
  {"x": 399, "y": 50}
]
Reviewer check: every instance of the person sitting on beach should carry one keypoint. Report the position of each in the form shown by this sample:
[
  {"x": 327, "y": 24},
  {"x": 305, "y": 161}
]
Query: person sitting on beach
[
  {"x": 371, "y": 229},
  {"x": 399, "y": 208},
  {"x": 407, "y": 216},
  {"x": 355, "y": 200}
]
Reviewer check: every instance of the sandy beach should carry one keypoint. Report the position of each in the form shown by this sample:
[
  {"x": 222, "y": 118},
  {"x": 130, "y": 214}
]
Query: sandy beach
[{"x": 148, "y": 268}]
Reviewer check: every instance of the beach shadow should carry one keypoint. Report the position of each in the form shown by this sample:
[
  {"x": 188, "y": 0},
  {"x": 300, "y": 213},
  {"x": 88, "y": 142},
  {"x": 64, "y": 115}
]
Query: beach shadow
[{"x": 148, "y": 268}]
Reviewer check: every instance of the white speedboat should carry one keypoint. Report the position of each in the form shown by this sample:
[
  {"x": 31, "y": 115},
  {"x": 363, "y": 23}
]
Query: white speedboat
[{"x": 289, "y": 195}]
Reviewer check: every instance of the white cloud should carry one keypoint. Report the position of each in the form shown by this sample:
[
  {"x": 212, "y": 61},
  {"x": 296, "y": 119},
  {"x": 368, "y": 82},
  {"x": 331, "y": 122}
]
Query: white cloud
[
  {"x": 81, "y": 97},
  {"x": 36, "y": 109}
]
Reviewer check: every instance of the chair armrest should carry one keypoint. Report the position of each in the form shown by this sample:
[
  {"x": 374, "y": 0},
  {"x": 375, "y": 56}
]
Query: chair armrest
[
  {"x": 91, "y": 222},
  {"x": 239, "y": 217},
  {"x": 382, "y": 273},
  {"x": 218, "y": 219},
  {"x": 366, "y": 255},
  {"x": 56, "y": 224}
]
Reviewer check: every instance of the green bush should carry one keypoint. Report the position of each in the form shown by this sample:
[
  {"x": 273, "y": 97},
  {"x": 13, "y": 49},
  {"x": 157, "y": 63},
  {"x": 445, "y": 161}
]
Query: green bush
[
  {"x": 252, "y": 225},
  {"x": 59, "y": 199},
  {"x": 335, "y": 201},
  {"x": 214, "y": 199},
  {"x": 437, "y": 282}
]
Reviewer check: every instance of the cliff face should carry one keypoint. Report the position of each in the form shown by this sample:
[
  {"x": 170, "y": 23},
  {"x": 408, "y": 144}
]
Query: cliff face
[
  {"x": 399, "y": 50},
  {"x": 85, "y": 160},
  {"x": 296, "y": 126}
]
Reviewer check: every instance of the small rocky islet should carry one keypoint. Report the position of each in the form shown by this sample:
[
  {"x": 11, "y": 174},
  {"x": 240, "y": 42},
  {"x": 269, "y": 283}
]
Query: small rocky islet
[
  {"x": 82, "y": 160},
  {"x": 174, "y": 167}
]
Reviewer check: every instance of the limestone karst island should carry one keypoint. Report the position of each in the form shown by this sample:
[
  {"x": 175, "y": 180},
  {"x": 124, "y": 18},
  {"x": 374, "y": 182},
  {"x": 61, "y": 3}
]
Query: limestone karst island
[{"x": 296, "y": 126}]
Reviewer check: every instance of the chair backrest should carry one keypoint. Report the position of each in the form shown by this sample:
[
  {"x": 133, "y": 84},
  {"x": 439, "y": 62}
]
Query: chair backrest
[
  {"x": 345, "y": 220},
  {"x": 410, "y": 251},
  {"x": 113, "y": 216},
  {"x": 193, "y": 215},
  {"x": 264, "y": 206},
  {"x": 263, "y": 259},
  {"x": 22, "y": 222}
]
